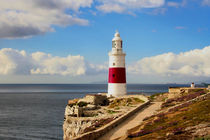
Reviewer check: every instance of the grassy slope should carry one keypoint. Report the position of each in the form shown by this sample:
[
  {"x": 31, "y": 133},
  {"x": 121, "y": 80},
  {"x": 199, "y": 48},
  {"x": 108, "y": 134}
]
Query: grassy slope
[{"x": 172, "y": 124}]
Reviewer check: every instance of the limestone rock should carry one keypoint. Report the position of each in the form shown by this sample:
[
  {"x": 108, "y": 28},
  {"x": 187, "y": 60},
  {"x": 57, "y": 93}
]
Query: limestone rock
[
  {"x": 90, "y": 107},
  {"x": 95, "y": 99},
  {"x": 74, "y": 111}
]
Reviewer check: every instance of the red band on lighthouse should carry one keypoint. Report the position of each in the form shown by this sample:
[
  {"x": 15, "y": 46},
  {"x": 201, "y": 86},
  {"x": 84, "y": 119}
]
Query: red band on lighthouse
[{"x": 117, "y": 75}]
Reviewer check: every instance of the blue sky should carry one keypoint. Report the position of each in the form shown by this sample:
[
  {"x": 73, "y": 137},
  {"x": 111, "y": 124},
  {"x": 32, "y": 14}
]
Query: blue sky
[{"x": 150, "y": 30}]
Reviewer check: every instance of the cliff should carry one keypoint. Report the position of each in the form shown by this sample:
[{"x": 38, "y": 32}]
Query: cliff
[{"x": 93, "y": 112}]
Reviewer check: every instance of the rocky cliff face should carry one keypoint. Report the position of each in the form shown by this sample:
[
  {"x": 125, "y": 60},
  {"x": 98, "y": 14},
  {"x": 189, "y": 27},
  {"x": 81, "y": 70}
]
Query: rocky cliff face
[
  {"x": 83, "y": 115},
  {"x": 73, "y": 127}
]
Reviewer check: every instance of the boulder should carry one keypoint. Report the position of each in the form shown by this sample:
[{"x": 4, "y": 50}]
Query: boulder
[
  {"x": 95, "y": 99},
  {"x": 72, "y": 102}
]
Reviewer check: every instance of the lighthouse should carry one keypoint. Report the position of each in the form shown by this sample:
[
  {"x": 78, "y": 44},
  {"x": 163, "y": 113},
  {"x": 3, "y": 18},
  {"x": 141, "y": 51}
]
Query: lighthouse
[{"x": 117, "y": 72}]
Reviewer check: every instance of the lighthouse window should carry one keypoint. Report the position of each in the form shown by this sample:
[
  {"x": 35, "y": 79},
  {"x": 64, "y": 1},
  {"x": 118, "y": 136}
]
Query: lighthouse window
[
  {"x": 113, "y": 44},
  {"x": 113, "y": 64},
  {"x": 113, "y": 75}
]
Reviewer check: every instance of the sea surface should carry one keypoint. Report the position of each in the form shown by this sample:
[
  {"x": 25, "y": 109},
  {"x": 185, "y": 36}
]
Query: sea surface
[{"x": 36, "y": 111}]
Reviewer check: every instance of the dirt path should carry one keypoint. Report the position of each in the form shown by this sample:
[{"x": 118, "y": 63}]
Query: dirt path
[{"x": 131, "y": 122}]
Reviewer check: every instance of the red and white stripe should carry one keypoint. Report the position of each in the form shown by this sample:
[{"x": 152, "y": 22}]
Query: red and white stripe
[{"x": 117, "y": 70}]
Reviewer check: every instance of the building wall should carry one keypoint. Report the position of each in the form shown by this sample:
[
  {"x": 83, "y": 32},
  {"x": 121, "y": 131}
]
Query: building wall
[
  {"x": 174, "y": 90},
  {"x": 178, "y": 90}
]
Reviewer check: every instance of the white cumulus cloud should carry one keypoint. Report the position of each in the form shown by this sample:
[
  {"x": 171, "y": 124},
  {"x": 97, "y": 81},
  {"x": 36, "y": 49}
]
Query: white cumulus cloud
[
  {"x": 191, "y": 63},
  {"x": 47, "y": 64},
  {"x": 120, "y": 6},
  {"x": 14, "y": 61},
  {"x": 20, "y": 63},
  {"x": 25, "y": 18}
]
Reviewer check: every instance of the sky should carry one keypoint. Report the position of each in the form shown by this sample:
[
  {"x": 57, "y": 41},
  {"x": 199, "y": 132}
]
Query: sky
[{"x": 67, "y": 41}]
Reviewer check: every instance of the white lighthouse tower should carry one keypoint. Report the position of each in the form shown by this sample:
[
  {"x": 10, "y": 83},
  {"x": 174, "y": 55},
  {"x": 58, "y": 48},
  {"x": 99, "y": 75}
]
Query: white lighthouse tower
[{"x": 117, "y": 71}]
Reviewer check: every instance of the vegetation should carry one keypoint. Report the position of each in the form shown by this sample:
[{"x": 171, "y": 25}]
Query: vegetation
[
  {"x": 117, "y": 108},
  {"x": 203, "y": 138},
  {"x": 81, "y": 104},
  {"x": 125, "y": 102},
  {"x": 152, "y": 97},
  {"x": 111, "y": 111},
  {"x": 186, "y": 97},
  {"x": 173, "y": 124}
]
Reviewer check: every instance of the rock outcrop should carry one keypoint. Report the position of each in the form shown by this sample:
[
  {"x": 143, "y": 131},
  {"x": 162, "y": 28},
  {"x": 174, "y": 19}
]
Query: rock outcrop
[{"x": 94, "y": 111}]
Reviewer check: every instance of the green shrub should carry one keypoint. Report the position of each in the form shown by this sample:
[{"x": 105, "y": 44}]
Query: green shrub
[{"x": 81, "y": 104}]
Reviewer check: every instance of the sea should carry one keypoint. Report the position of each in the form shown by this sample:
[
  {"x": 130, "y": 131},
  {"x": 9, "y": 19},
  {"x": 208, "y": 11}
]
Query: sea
[{"x": 36, "y": 111}]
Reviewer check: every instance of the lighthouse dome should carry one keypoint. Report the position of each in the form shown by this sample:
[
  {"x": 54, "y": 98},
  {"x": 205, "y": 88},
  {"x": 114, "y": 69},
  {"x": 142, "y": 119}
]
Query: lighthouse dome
[
  {"x": 117, "y": 34},
  {"x": 117, "y": 37}
]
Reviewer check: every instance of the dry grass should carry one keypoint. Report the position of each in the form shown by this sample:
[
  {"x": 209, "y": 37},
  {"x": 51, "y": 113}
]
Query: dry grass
[
  {"x": 125, "y": 102},
  {"x": 171, "y": 125}
]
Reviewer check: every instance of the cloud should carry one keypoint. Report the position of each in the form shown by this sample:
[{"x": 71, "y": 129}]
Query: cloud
[
  {"x": 194, "y": 63},
  {"x": 93, "y": 69},
  {"x": 47, "y": 64},
  {"x": 173, "y": 4},
  {"x": 26, "y": 18},
  {"x": 191, "y": 63},
  {"x": 14, "y": 61},
  {"x": 177, "y": 4},
  {"x": 120, "y": 6},
  {"x": 158, "y": 11},
  {"x": 108, "y": 8},
  {"x": 20, "y": 63},
  {"x": 206, "y": 2}
]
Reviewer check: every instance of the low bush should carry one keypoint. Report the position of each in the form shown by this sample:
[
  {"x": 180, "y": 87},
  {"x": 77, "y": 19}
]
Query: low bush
[{"x": 81, "y": 104}]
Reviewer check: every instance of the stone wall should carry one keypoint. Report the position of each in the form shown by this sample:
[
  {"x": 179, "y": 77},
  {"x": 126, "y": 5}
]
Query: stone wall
[
  {"x": 174, "y": 90},
  {"x": 178, "y": 90}
]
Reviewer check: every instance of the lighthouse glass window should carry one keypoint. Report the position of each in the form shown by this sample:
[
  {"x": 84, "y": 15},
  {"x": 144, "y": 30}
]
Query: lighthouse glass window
[{"x": 113, "y": 44}]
